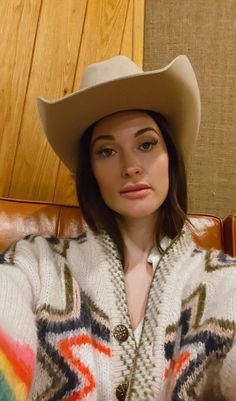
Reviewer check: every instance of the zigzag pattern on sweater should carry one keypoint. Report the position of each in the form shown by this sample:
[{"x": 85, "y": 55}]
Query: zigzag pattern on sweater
[
  {"x": 195, "y": 351},
  {"x": 64, "y": 337}
]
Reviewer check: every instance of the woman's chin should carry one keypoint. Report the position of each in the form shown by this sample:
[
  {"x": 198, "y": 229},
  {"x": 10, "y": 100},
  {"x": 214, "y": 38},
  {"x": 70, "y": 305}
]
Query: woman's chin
[
  {"x": 136, "y": 209},
  {"x": 137, "y": 215}
]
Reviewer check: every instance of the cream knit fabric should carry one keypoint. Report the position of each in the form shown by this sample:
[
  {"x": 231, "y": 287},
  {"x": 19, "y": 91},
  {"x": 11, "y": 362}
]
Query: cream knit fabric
[
  {"x": 153, "y": 259},
  {"x": 63, "y": 301}
]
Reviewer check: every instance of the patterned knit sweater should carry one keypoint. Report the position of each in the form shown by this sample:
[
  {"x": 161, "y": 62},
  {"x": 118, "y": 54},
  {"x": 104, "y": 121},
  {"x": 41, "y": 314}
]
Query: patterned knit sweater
[{"x": 65, "y": 331}]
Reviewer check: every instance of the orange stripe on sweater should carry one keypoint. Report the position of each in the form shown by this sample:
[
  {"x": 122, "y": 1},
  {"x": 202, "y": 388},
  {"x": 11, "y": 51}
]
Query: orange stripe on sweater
[
  {"x": 66, "y": 350},
  {"x": 83, "y": 339},
  {"x": 21, "y": 357},
  {"x": 177, "y": 364}
]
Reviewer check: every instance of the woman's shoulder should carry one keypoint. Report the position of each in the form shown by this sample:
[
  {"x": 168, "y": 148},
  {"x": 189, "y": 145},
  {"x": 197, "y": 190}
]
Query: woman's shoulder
[
  {"x": 212, "y": 258},
  {"x": 42, "y": 263},
  {"x": 39, "y": 245},
  {"x": 217, "y": 259}
]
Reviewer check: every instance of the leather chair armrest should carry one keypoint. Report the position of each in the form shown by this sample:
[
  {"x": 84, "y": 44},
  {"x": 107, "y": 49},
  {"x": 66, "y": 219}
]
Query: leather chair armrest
[
  {"x": 207, "y": 230},
  {"x": 20, "y": 218},
  {"x": 229, "y": 228}
]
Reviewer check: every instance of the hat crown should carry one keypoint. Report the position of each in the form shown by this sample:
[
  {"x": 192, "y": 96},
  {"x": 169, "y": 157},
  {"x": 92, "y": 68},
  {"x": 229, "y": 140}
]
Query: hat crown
[{"x": 108, "y": 70}]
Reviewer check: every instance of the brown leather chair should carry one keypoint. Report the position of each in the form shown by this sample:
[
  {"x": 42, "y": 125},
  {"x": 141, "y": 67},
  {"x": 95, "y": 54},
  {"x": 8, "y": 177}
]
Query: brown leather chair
[
  {"x": 20, "y": 218},
  {"x": 229, "y": 229}
]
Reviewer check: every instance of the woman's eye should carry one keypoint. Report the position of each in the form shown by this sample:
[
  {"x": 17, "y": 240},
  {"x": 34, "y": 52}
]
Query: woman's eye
[
  {"x": 104, "y": 153},
  {"x": 147, "y": 146}
]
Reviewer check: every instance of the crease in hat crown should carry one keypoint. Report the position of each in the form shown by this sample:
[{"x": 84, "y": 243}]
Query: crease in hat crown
[{"x": 115, "y": 68}]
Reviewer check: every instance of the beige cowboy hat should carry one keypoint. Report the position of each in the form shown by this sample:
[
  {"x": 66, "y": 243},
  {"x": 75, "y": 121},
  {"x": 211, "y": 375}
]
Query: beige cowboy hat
[{"x": 119, "y": 84}]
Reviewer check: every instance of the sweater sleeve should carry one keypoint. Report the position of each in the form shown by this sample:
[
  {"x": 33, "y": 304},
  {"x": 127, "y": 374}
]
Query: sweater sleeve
[
  {"x": 19, "y": 286},
  {"x": 228, "y": 375},
  {"x": 222, "y": 307}
]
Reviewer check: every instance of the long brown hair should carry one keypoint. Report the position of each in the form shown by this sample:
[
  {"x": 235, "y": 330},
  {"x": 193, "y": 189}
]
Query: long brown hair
[{"x": 99, "y": 217}]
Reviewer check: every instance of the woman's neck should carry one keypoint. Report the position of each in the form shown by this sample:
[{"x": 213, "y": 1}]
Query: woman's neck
[{"x": 139, "y": 238}]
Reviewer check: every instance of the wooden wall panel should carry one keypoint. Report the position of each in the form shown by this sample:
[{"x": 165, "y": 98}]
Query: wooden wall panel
[
  {"x": 59, "y": 38},
  {"x": 52, "y": 75},
  {"x": 138, "y": 32},
  {"x": 205, "y": 31},
  {"x": 18, "y": 26}
]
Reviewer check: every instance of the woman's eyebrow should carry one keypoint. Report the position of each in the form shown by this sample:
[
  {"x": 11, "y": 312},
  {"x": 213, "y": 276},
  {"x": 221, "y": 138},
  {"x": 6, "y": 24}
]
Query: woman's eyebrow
[
  {"x": 104, "y": 137},
  {"x": 111, "y": 137},
  {"x": 143, "y": 130}
]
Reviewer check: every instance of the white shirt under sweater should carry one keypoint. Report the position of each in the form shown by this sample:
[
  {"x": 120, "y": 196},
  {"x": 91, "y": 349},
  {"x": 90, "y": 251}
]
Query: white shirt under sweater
[{"x": 153, "y": 259}]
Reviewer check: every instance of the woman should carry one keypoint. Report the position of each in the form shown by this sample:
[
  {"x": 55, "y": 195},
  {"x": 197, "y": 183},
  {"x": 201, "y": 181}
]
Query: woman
[{"x": 130, "y": 310}]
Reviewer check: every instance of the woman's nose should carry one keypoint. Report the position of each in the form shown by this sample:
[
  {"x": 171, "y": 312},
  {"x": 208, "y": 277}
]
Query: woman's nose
[
  {"x": 131, "y": 171},
  {"x": 130, "y": 164}
]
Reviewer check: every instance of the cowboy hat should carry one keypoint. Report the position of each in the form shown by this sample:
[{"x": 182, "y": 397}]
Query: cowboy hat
[{"x": 119, "y": 84}]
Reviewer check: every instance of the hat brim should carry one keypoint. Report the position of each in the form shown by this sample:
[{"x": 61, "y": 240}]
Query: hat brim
[{"x": 172, "y": 91}]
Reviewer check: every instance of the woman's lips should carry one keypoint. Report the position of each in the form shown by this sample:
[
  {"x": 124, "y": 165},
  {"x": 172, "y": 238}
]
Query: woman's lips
[
  {"x": 141, "y": 193},
  {"x": 135, "y": 192}
]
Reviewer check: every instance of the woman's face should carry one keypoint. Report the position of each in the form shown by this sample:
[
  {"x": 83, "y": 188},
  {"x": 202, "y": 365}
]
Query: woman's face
[{"x": 130, "y": 163}]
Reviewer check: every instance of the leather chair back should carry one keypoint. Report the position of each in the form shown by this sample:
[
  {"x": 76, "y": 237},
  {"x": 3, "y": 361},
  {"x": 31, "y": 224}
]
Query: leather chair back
[{"x": 20, "y": 218}]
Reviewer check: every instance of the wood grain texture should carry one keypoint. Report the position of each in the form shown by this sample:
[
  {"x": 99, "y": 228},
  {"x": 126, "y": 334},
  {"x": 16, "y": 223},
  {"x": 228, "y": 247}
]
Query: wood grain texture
[
  {"x": 205, "y": 31},
  {"x": 52, "y": 74},
  {"x": 45, "y": 46},
  {"x": 138, "y": 33},
  {"x": 18, "y": 26}
]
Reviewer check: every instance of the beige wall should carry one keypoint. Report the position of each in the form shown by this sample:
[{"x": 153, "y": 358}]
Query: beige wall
[
  {"x": 205, "y": 30},
  {"x": 44, "y": 47}
]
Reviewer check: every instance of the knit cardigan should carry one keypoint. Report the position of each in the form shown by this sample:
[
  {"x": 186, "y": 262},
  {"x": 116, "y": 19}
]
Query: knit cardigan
[{"x": 61, "y": 302}]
